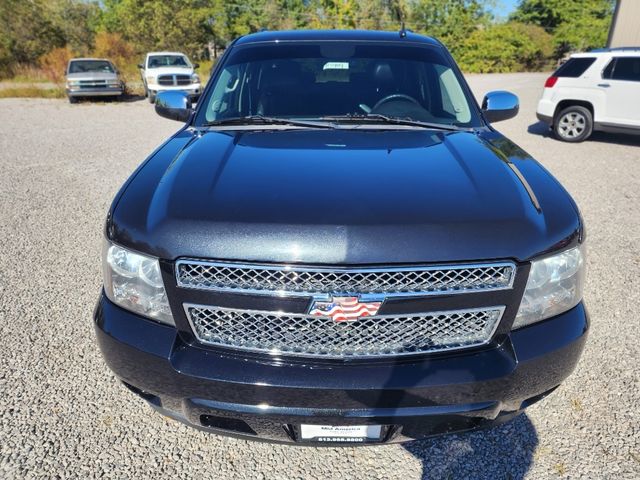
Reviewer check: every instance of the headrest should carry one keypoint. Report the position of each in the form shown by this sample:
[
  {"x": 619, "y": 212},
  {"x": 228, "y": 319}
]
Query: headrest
[{"x": 383, "y": 73}]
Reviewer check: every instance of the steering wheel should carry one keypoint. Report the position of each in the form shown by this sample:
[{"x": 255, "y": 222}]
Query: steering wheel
[{"x": 395, "y": 96}]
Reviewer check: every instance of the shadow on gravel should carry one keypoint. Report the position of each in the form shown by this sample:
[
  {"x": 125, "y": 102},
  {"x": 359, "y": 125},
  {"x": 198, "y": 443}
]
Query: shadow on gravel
[
  {"x": 505, "y": 451},
  {"x": 540, "y": 128},
  {"x": 132, "y": 98},
  {"x": 543, "y": 130},
  {"x": 106, "y": 100}
]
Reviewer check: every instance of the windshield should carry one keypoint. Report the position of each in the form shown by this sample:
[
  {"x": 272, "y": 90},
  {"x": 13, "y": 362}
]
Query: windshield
[
  {"x": 83, "y": 66},
  {"x": 348, "y": 80},
  {"x": 157, "y": 61}
]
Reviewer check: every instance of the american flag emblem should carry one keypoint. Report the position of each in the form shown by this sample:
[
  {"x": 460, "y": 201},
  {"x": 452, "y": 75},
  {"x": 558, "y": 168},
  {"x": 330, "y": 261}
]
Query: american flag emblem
[{"x": 344, "y": 309}]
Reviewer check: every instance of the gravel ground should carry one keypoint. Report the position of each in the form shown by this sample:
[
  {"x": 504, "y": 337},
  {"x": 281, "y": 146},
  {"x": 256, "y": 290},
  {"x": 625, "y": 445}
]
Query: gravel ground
[{"x": 62, "y": 413}]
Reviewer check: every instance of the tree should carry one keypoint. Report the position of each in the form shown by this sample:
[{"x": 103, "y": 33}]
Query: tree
[
  {"x": 76, "y": 20},
  {"x": 450, "y": 21},
  {"x": 26, "y": 31},
  {"x": 184, "y": 25},
  {"x": 574, "y": 25},
  {"x": 380, "y": 14},
  {"x": 283, "y": 14}
]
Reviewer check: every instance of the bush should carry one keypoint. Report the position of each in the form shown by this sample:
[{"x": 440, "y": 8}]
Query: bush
[
  {"x": 113, "y": 47},
  {"x": 25, "y": 73},
  {"x": 54, "y": 63},
  {"x": 507, "y": 47}
]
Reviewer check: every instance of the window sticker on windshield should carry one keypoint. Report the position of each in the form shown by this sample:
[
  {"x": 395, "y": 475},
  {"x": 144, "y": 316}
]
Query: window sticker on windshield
[{"x": 336, "y": 66}]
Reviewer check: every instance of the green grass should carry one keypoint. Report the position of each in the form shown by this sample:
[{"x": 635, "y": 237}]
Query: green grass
[
  {"x": 29, "y": 79},
  {"x": 31, "y": 92}
]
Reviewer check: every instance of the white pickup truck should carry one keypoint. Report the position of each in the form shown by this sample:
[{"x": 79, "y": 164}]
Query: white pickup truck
[{"x": 163, "y": 71}]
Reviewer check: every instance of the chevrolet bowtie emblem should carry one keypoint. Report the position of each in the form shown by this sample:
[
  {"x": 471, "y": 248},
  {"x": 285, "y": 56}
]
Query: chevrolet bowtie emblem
[{"x": 344, "y": 309}]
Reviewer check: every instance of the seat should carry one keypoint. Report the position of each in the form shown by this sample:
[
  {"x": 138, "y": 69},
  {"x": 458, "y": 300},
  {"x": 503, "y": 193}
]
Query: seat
[{"x": 283, "y": 90}]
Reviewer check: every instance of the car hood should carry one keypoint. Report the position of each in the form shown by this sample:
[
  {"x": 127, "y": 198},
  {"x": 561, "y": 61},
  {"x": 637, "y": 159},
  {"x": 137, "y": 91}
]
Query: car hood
[
  {"x": 92, "y": 76},
  {"x": 342, "y": 197},
  {"x": 168, "y": 71}
]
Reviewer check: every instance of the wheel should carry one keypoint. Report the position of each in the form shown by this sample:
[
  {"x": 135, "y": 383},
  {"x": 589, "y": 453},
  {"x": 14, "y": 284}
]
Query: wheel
[
  {"x": 73, "y": 99},
  {"x": 573, "y": 124},
  {"x": 152, "y": 97},
  {"x": 395, "y": 96},
  {"x": 146, "y": 91}
]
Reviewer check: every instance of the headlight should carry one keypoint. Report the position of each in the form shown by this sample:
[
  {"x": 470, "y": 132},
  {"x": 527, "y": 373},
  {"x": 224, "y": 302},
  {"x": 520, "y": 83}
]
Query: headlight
[
  {"x": 195, "y": 78},
  {"x": 73, "y": 83},
  {"x": 554, "y": 286},
  {"x": 114, "y": 83},
  {"x": 133, "y": 281},
  {"x": 151, "y": 80}
]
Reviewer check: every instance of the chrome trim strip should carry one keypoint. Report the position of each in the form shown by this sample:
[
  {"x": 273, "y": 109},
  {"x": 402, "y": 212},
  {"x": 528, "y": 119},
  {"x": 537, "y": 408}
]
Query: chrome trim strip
[
  {"x": 525, "y": 184},
  {"x": 362, "y": 296},
  {"x": 500, "y": 308}
]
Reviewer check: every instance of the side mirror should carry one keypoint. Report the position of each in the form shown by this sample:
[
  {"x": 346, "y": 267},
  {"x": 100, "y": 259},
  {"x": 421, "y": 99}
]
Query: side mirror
[
  {"x": 500, "y": 105},
  {"x": 196, "y": 66},
  {"x": 140, "y": 65},
  {"x": 174, "y": 105}
]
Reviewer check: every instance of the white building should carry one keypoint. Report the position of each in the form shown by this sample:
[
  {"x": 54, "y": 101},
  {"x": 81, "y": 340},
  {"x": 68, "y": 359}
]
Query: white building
[{"x": 625, "y": 26}]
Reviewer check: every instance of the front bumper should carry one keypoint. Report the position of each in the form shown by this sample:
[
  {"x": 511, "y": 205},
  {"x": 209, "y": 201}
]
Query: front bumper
[
  {"x": 268, "y": 400},
  {"x": 194, "y": 90},
  {"x": 95, "y": 92}
]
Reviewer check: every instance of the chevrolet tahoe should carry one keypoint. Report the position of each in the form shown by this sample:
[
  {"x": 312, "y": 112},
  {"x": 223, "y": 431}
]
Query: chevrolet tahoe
[{"x": 338, "y": 248}]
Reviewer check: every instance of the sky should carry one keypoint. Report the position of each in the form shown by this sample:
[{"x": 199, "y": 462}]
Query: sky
[{"x": 504, "y": 7}]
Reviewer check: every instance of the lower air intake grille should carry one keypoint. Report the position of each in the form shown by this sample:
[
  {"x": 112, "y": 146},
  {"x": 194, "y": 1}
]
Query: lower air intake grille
[{"x": 375, "y": 336}]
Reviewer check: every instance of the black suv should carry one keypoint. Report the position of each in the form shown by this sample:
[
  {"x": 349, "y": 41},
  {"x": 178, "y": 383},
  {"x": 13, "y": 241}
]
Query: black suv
[{"x": 338, "y": 247}]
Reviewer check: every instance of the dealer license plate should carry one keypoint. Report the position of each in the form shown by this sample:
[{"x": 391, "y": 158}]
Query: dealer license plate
[{"x": 342, "y": 433}]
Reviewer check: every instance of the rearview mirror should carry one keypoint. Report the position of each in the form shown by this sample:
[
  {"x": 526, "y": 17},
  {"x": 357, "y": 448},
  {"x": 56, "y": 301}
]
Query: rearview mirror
[
  {"x": 140, "y": 65},
  {"x": 500, "y": 105},
  {"x": 196, "y": 66},
  {"x": 174, "y": 105}
]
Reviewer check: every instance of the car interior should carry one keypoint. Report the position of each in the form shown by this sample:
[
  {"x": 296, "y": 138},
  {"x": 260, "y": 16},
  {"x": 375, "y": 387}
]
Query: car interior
[
  {"x": 319, "y": 87},
  {"x": 158, "y": 61},
  {"x": 84, "y": 66}
]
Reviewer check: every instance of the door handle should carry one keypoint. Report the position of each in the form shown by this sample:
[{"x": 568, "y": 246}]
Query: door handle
[{"x": 605, "y": 85}]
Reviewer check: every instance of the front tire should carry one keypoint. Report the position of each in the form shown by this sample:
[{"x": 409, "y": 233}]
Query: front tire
[
  {"x": 152, "y": 97},
  {"x": 73, "y": 100},
  {"x": 573, "y": 124}
]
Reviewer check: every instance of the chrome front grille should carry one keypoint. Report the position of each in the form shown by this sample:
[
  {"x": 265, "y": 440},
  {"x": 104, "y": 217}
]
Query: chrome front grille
[
  {"x": 166, "y": 80},
  {"x": 173, "y": 80},
  {"x": 314, "y": 281},
  {"x": 183, "y": 79},
  {"x": 375, "y": 336},
  {"x": 92, "y": 83}
]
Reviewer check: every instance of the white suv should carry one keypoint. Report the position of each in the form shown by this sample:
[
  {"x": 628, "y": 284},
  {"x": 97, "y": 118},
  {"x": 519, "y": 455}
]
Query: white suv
[
  {"x": 163, "y": 71},
  {"x": 598, "y": 90}
]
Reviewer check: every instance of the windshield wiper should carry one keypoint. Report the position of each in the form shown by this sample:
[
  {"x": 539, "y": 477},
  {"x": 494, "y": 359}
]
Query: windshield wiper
[
  {"x": 262, "y": 120},
  {"x": 377, "y": 117}
]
